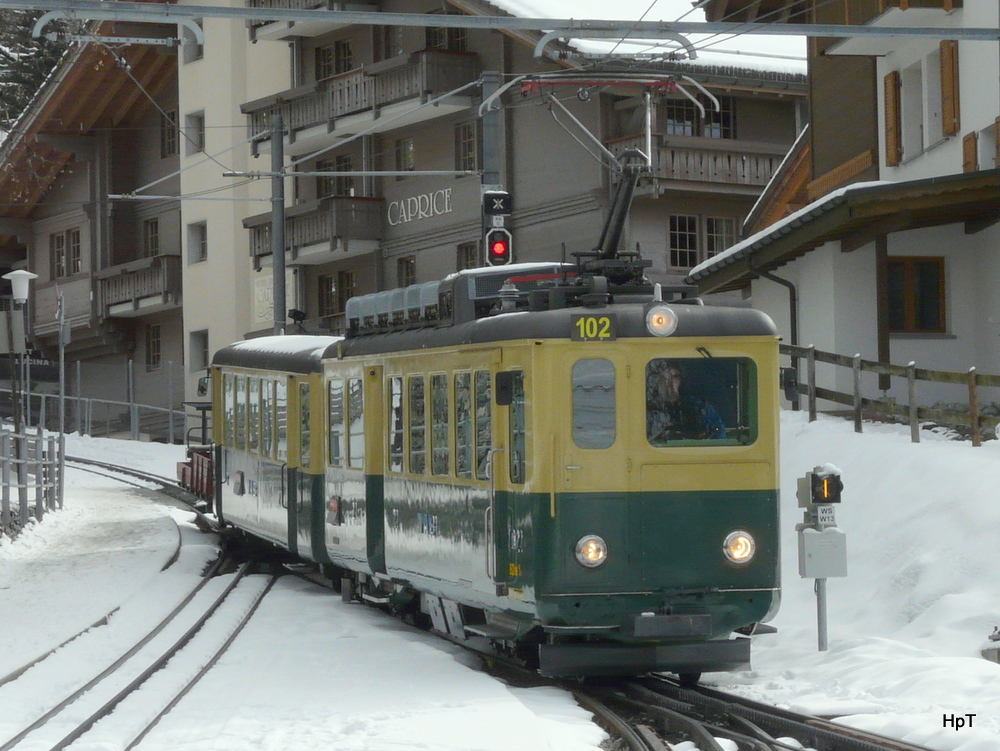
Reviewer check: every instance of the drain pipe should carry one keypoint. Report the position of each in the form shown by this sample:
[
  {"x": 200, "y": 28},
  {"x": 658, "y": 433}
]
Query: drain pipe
[{"x": 793, "y": 311}]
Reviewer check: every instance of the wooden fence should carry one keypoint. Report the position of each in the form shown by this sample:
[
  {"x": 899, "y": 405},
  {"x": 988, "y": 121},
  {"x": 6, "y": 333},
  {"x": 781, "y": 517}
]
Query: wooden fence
[{"x": 910, "y": 412}]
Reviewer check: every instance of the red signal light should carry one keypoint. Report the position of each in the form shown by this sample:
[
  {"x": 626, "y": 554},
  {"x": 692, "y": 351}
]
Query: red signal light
[{"x": 498, "y": 247}]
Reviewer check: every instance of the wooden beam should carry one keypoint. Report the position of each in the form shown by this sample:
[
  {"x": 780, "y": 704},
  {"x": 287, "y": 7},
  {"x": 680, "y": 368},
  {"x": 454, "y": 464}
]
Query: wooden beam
[
  {"x": 873, "y": 231},
  {"x": 973, "y": 226}
]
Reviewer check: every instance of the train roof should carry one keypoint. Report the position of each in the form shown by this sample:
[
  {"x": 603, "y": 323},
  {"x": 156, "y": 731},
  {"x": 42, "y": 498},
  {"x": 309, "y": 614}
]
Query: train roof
[
  {"x": 697, "y": 321},
  {"x": 295, "y": 353}
]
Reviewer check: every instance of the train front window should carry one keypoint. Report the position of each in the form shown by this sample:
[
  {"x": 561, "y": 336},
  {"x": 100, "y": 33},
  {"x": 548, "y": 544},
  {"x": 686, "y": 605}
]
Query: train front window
[
  {"x": 593, "y": 403},
  {"x": 699, "y": 400}
]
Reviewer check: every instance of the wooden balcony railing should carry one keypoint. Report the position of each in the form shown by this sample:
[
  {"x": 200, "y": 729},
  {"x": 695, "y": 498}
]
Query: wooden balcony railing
[
  {"x": 319, "y": 221},
  {"x": 726, "y": 162},
  {"x": 426, "y": 74},
  {"x": 159, "y": 276}
]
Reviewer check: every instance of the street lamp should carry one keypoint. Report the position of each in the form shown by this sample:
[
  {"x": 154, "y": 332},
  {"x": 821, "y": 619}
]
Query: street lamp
[{"x": 15, "y": 336}]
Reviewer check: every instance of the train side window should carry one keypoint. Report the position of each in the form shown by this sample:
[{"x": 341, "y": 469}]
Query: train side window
[
  {"x": 356, "y": 417},
  {"x": 518, "y": 428},
  {"x": 593, "y": 403},
  {"x": 439, "y": 425},
  {"x": 267, "y": 418},
  {"x": 396, "y": 424},
  {"x": 229, "y": 408},
  {"x": 281, "y": 418},
  {"x": 335, "y": 411},
  {"x": 253, "y": 436},
  {"x": 484, "y": 423},
  {"x": 415, "y": 411},
  {"x": 305, "y": 434},
  {"x": 463, "y": 425},
  {"x": 241, "y": 411}
]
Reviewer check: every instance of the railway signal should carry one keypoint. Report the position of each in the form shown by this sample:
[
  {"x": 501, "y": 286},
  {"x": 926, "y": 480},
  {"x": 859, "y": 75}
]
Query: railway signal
[{"x": 499, "y": 250}]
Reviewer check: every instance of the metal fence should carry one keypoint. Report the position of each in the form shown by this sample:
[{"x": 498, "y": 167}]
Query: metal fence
[
  {"x": 30, "y": 475},
  {"x": 964, "y": 414}
]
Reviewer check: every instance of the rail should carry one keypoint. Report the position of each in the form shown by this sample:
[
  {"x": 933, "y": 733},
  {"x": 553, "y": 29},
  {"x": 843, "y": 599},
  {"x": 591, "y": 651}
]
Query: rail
[{"x": 887, "y": 407}]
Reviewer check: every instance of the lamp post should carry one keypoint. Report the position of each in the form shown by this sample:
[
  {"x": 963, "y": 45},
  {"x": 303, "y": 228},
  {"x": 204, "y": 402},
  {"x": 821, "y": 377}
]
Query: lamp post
[{"x": 19, "y": 280}]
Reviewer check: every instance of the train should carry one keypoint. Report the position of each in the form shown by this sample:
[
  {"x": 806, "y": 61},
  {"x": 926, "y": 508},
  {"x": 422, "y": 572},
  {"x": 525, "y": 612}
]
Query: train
[{"x": 558, "y": 462}]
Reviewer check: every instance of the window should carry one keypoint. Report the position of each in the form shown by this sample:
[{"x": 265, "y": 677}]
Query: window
[
  {"x": 168, "y": 134},
  {"x": 197, "y": 237},
  {"x": 694, "y": 400},
  {"x": 719, "y": 123},
  {"x": 305, "y": 427},
  {"x": 281, "y": 418},
  {"x": 683, "y": 241},
  {"x": 253, "y": 436},
  {"x": 915, "y": 288},
  {"x": 468, "y": 256},
  {"x": 356, "y": 422},
  {"x": 415, "y": 412},
  {"x": 463, "y": 425},
  {"x": 450, "y": 40},
  {"x": 151, "y": 238},
  {"x": 593, "y": 403},
  {"x": 57, "y": 253},
  {"x": 406, "y": 271},
  {"x": 405, "y": 156},
  {"x": 241, "y": 411},
  {"x": 720, "y": 233},
  {"x": 153, "y": 344},
  {"x": 327, "y": 295},
  {"x": 440, "y": 464},
  {"x": 335, "y": 410},
  {"x": 335, "y": 185},
  {"x": 194, "y": 132},
  {"x": 388, "y": 42},
  {"x": 267, "y": 418},
  {"x": 73, "y": 251},
  {"x": 228, "y": 404},
  {"x": 346, "y": 289},
  {"x": 518, "y": 430},
  {"x": 198, "y": 349},
  {"x": 396, "y": 424},
  {"x": 484, "y": 423},
  {"x": 682, "y": 117},
  {"x": 333, "y": 59},
  {"x": 466, "y": 147}
]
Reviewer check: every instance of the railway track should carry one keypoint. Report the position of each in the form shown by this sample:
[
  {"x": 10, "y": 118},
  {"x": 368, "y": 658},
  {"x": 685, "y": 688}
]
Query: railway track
[
  {"x": 649, "y": 714},
  {"x": 195, "y": 633}
]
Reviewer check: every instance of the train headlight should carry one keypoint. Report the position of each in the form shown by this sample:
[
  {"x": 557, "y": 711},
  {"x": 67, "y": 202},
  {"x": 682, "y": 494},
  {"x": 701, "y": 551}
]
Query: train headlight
[
  {"x": 591, "y": 551},
  {"x": 661, "y": 320},
  {"x": 739, "y": 546}
]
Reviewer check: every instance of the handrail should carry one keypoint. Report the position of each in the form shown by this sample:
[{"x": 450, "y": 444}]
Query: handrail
[{"x": 911, "y": 412}]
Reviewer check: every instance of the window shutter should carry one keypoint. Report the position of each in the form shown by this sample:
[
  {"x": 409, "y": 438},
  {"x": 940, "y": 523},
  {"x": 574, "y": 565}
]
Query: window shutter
[
  {"x": 950, "y": 106},
  {"x": 970, "y": 152},
  {"x": 893, "y": 129}
]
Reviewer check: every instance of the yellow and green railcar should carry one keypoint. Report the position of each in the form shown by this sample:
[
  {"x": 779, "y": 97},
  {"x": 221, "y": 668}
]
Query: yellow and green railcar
[{"x": 585, "y": 479}]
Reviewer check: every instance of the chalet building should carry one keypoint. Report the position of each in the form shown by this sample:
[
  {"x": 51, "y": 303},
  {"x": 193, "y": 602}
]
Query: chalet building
[
  {"x": 884, "y": 219},
  {"x": 92, "y": 132},
  {"x": 356, "y": 101}
]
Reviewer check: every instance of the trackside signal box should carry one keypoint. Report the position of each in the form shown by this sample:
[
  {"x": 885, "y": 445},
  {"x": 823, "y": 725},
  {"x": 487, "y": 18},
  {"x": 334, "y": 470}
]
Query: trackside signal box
[{"x": 822, "y": 546}]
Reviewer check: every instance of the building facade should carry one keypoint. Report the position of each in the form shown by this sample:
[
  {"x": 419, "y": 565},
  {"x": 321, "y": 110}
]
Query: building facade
[
  {"x": 363, "y": 107},
  {"x": 890, "y": 244}
]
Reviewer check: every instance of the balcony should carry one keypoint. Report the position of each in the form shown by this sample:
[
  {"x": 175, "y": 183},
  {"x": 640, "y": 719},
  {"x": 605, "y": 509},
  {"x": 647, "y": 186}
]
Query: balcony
[
  {"x": 383, "y": 95},
  {"x": 317, "y": 232},
  {"x": 741, "y": 167},
  {"x": 149, "y": 285},
  {"x": 284, "y": 31}
]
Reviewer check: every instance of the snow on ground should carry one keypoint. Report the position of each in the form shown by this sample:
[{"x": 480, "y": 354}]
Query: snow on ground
[{"x": 905, "y": 626}]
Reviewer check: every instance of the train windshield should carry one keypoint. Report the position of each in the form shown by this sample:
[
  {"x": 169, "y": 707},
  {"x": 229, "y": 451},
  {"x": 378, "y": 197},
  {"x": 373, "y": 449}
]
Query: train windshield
[{"x": 691, "y": 401}]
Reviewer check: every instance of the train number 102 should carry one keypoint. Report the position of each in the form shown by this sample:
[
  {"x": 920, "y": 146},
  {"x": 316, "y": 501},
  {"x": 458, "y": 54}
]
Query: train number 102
[{"x": 587, "y": 328}]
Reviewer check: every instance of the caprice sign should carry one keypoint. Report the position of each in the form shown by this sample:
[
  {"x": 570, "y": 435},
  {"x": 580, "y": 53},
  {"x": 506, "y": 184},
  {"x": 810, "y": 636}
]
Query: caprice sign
[{"x": 423, "y": 206}]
